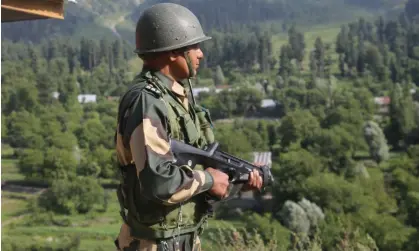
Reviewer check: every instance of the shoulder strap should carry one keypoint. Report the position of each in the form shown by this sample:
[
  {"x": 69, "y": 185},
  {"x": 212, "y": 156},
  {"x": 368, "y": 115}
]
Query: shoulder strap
[
  {"x": 172, "y": 115},
  {"x": 130, "y": 100}
]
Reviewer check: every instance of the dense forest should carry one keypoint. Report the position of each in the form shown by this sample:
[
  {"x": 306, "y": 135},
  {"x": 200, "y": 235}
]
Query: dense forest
[
  {"x": 346, "y": 171},
  {"x": 226, "y": 15}
]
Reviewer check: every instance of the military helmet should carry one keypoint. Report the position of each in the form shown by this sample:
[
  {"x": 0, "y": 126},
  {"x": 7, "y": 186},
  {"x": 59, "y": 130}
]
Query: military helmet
[{"x": 165, "y": 27}]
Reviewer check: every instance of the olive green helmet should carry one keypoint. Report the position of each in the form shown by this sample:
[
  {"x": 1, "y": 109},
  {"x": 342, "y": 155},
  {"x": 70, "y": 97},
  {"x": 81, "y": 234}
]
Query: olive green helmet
[{"x": 167, "y": 26}]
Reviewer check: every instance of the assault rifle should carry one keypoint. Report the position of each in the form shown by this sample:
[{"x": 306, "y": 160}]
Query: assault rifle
[{"x": 237, "y": 169}]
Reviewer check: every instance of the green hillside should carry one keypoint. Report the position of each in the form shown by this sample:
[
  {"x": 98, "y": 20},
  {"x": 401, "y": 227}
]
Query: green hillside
[
  {"x": 109, "y": 19},
  {"x": 341, "y": 124}
]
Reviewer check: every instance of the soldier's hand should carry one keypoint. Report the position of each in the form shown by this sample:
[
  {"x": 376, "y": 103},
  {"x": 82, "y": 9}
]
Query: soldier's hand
[
  {"x": 220, "y": 186},
  {"x": 255, "y": 180}
]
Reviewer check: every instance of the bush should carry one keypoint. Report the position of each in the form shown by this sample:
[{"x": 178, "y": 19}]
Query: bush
[
  {"x": 232, "y": 239},
  {"x": 50, "y": 244},
  {"x": 69, "y": 196},
  {"x": 295, "y": 218},
  {"x": 268, "y": 229}
]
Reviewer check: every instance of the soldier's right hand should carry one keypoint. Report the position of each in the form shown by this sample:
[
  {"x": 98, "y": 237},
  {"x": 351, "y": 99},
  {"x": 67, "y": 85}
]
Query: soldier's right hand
[{"x": 220, "y": 186}]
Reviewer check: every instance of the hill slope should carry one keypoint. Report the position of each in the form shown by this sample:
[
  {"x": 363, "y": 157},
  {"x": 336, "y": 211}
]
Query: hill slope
[{"x": 97, "y": 19}]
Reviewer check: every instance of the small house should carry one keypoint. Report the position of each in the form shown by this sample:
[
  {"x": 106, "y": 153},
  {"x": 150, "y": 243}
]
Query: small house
[
  {"x": 382, "y": 104},
  {"x": 86, "y": 98}
]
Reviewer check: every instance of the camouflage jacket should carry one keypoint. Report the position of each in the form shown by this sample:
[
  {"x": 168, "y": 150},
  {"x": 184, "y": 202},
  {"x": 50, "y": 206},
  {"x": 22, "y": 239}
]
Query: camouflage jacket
[{"x": 161, "y": 198}]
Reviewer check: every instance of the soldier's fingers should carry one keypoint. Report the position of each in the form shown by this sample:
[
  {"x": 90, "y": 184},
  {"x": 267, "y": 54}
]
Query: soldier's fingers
[
  {"x": 255, "y": 178},
  {"x": 252, "y": 179}
]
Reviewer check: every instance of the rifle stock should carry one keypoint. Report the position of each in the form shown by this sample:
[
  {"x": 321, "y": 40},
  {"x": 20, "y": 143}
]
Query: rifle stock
[{"x": 237, "y": 169}]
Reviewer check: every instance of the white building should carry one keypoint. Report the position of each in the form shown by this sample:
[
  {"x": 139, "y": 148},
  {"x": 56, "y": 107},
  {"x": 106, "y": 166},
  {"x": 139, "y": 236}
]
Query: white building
[
  {"x": 267, "y": 103},
  {"x": 86, "y": 98},
  {"x": 198, "y": 90}
]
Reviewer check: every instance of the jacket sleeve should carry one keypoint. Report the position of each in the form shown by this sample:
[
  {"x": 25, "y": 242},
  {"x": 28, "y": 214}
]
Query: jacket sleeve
[{"x": 160, "y": 179}]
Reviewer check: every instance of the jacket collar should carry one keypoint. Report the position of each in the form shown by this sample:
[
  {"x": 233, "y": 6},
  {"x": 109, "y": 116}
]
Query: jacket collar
[{"x": 177, "y": 88}]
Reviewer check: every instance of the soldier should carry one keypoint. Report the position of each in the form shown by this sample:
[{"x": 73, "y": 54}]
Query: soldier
[{"x": 165, "y": 203}]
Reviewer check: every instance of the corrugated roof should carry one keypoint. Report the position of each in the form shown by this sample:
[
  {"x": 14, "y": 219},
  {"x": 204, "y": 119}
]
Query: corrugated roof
[{"x": 264, "y": 158}]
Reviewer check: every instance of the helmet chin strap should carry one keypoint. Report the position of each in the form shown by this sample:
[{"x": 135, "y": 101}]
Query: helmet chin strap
[{"x": 191, "y": 73}]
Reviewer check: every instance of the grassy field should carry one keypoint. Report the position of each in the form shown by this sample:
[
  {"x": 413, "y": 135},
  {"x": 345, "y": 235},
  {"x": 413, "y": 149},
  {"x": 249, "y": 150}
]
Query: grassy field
[
  {"x": 9, "y": 170},
  {"x": 328, "y": 35},
  {"x": 24, "y": 227},
  {"x": 95, "y": 230}
]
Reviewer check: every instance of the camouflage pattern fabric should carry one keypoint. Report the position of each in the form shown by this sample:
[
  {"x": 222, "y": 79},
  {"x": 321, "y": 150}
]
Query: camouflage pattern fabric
[
  {"x": 150, "y": 150},
  {"x": 163, "y": 185},
  {"x": 187, "y": 242}
]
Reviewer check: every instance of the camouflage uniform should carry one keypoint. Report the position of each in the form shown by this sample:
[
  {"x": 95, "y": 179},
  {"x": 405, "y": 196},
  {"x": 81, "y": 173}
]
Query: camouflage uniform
[
  {"x": 156, "y": 191},
  {"x": 163, "y": 205}
]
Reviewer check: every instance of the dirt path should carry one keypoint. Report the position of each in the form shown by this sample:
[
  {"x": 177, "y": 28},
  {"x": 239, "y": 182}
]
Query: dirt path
[
  {"x": 21, "y": 189},
  {"x": 11, "y": 220}
]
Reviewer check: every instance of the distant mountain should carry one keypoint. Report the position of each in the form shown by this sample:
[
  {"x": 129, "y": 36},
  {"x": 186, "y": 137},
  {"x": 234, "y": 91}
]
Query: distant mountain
[
  {"x": 78, "y": 22},
  {"x": 98, "y": 19},
  {"x": 222, "y": 14}
]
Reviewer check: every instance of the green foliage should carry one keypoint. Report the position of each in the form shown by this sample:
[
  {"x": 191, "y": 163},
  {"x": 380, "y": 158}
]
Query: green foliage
[
  {"x": 413, "y": 243},
  {"x": 268, "y": 228},
  {"x": 412, "y": 203},
  {"x": 295, "y": 218},
  {"x": 24, "y": 130},
  {"x": 239, "y": 239},
  {"x": 244, "y": 101},
  {"x": 376, "y": 141},
  {"x": 338, "y": 233},
  {"x": 334, "y": 145},
  {"x": 218, "y": 76},
  {"x": 234, "y": 142},
  {"x": 295, "y": 168},
  {"x": 9, "y": 243},
  {"x": 323, "y": 94},
  {"x": 78, "y": 195},
  {"x": 31, "y": 163},
  {"x": 402, "y": 119},
  {"x": 297, "y": 126},
  {"x": 259, "y": 233},
  {"x": 388, "y": 232},
  {"x": 100, "y": 162}
]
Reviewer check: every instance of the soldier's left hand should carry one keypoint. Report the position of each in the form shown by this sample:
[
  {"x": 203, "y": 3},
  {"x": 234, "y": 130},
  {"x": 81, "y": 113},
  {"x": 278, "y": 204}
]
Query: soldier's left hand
[{"x": 255, "y": 180}]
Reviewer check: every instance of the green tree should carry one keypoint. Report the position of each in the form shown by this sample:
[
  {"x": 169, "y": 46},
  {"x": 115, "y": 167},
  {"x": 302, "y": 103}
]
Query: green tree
[
  {"x": 92, "y": 134},
  {"x": 58, "y": 164},
  {"x": 295, "y": 218},
  {"x": 376, "y": 141},
  {"x": 402, "y": 116},
  {"x": 297, "y": 44},
  {"x": 319, "y": 56},
  {"x": 297, "y": 126},
  {"x": 70, "y": 196},
  {"x": 285, "y": 66},
  {"x": 24, "y": 130},
  {"x": 335, "y": 146},
  {"x": 294, "y": 168},
  {"x": 218, "y": 76},
  {"x": 31, "y": 163}
]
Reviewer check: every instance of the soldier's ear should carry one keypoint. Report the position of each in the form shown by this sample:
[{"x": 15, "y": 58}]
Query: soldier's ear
[{"x": 173, "y": 55}]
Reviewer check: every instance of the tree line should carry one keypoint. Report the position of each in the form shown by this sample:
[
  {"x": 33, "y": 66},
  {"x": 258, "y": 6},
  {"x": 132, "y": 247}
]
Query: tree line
[{"x": 347, "y": 179}]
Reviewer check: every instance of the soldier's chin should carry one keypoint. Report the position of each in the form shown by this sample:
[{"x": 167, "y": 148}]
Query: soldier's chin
[{"x": 194, "y": 73}]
